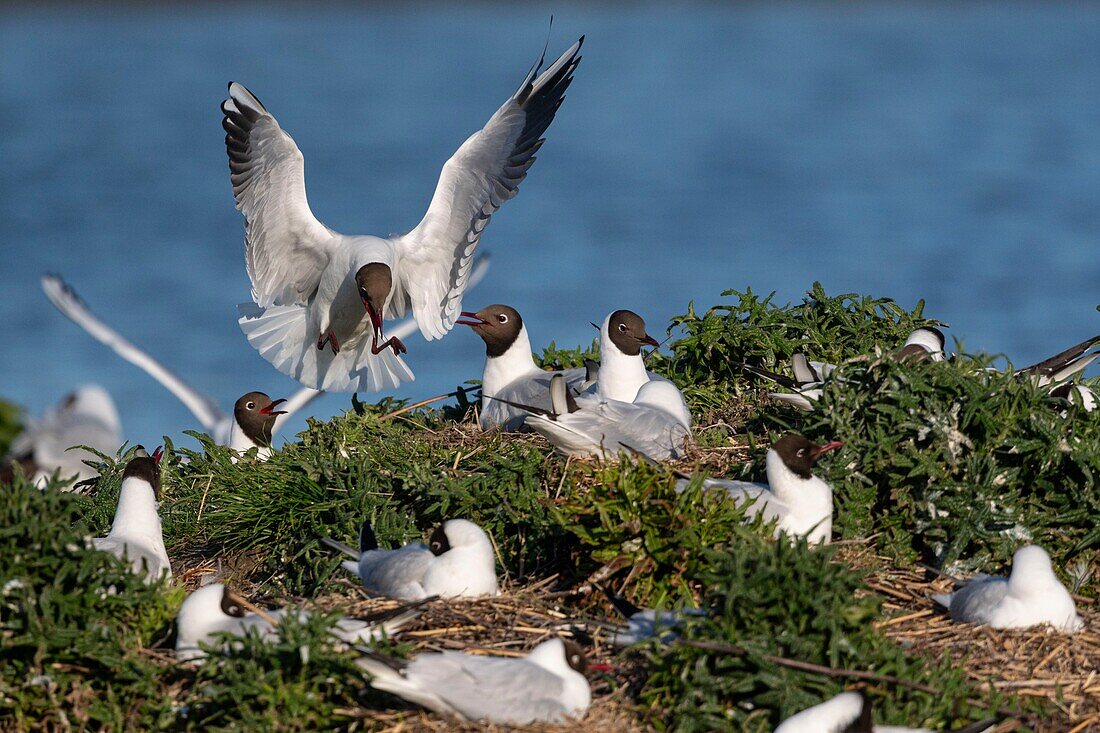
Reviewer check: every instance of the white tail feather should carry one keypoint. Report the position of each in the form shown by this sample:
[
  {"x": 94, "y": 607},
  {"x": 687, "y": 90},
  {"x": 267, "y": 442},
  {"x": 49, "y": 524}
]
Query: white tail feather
[{"x": 279, "y": 334}]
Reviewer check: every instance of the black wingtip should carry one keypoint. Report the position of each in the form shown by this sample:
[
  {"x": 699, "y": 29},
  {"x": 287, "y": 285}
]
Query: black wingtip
[
  {"x": 397, "y": 665},
  {"x": 367, "y": 539},
  {"x": 625, "y": 608}
]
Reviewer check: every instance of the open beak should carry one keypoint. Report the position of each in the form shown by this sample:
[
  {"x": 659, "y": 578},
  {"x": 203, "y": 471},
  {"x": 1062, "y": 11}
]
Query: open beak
[
  {"x": 375, "y": 317},
  {"x": 158, "y": 454},
  {"x": 651, "y": 341},
  {"x": 270, "y": 409},
  {"x": 475, "y": 319},
  {"x": 832, "y": 445}
]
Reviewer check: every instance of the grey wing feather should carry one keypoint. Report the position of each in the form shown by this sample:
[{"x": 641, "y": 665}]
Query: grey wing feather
[
  {"x": 286, "y": 248},
  {"x": 485, "y": 172},
  {"x": 491, "y": 688},
  {"x": 396, "y": 573}
]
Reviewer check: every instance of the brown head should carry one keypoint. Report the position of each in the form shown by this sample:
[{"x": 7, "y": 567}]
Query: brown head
[
  {"x": 627, "y": 331},
  {"x": 497, "y": 325},
  {"x": 231, "y": 604},
  {"x": 578, "y": 660},
  {"x": 800, "y": 455},
  {"x": 255, "y": 413},
  {"x": 146, "y": 468},
  {"x": 374, "y": 282},
  {"x": 913, "y": 352},
  {"x": 438, "y": 542}
]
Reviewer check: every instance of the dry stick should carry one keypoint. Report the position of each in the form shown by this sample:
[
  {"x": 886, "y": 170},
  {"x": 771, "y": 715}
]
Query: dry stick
[
  {"x": 255, "y": 609},
  {"x": 421, "y": 403},
  {"x": 831, "y": 671}
]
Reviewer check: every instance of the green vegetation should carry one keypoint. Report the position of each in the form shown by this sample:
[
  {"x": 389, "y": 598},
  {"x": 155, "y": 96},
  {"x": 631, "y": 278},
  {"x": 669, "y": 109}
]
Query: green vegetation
[
  {"x": 778, "y": 599},
  {"x": 943, "y": 462},
  {"x": 11, "y": 424}
]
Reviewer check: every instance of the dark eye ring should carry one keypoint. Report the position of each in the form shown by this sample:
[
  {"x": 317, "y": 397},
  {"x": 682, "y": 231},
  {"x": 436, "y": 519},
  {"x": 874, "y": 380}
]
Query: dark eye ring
[{"x": 251, "y": 405}]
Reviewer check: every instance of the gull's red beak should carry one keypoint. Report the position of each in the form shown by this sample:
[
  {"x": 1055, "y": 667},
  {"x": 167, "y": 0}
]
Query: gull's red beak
[
  {"x": 474, "y": 322},
  {"x": 651, "y": 341},
  {"x": 158, "y": 454},
  {"x": 270, "y": 409},
  {"x": 375, "y": 317},
  {"x": 832, "y": 445},
  {"x": 601, "y": 667}
]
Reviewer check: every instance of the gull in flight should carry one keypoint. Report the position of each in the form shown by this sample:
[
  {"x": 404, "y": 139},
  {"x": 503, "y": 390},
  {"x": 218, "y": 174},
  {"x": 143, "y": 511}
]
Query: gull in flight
[{"x": 320, "y": 297}]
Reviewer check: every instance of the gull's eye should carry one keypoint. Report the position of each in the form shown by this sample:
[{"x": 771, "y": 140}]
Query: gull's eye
[
  {"x": 502, "y": 318},
  {"x": 436, "y": 546},
  {"x": 622, "y": 328},
  {"x": 801, "y": 453},
  {"x": 251, "y": 405}
]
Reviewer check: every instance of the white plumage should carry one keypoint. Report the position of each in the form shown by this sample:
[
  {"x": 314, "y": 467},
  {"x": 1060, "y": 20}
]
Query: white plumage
[
  {"x": 214, "y": 609},
  {"x": 303, "y": 273},
  {"x": 548, "y": 685},
  {"x": 1031, "y": 595},
  {"x": 86, "y": 416},
  {"x": 136, "y": 534},
  {"x": 458, "y": 562}
]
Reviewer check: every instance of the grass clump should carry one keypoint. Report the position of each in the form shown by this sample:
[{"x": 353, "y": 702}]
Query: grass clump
[
  {"x": 404, "y": 475},
  {"x": 769, "y": 600},
  {"x": 74, "y": 623},
  {"x": 756, "y": 330},
  {"x": 951, "y": 461},
  {"x": 299, "y": 681},
  {"x": 633, "y": 516}
]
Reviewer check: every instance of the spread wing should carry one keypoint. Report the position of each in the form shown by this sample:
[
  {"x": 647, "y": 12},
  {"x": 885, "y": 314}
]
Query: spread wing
[
  {"x": 286, "y": 248},
  {"x": 205, "y": 410},
  {"x": 484, "y": 173}
]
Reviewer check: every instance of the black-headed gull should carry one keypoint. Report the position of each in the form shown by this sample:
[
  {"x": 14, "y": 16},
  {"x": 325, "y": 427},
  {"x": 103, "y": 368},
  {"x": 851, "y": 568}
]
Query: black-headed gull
[
  {"x": 927, "y": 342},
  {"x": 320, "y": 296},
  {"x": 1064, "y": 365},
  {"x": 799, "y": 502},
  {"x": 214, "y": 421},
  {"x": 214, "y": 609},
  {"x": 622, "y": 370},
  {"x": 86, "y": 416},
  {"x": 1080, "y": 394},
  {"x": 254, "y": 418},
  {"x": 1031, "y": 595},
  {"x": 458, "y": 561},
  {"x": 656, "y": 424},
  {"x": 805, "y": 386},
  {"x": 510, "y": 370},
  {"x": 547, "y": 685},
  {"x": 136, "y": 534},
  {"x": 645, "y": 623},
  {"x": 851, "y": 712}
]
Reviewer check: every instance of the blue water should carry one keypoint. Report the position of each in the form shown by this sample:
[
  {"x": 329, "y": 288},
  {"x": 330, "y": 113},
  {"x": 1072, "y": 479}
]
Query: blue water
[{"x": 932, "y": 151}]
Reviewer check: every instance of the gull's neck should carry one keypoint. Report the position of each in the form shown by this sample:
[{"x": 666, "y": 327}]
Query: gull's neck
[
  {"x": 620, "y": 376},
  {"x": 802, "y": 496},
  {"x": 240, "y": 442},
  {"x": 500, "y": 371},
  {"x": 136, "y": 515}
]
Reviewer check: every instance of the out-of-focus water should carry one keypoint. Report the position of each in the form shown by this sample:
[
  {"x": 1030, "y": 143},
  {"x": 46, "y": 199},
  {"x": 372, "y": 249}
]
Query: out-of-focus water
[{"x": 933, "y": 151}]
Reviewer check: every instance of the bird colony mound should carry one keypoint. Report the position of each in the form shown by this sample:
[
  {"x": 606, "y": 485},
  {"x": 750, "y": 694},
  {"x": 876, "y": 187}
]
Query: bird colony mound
[{"x": 945, "y": 464}]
